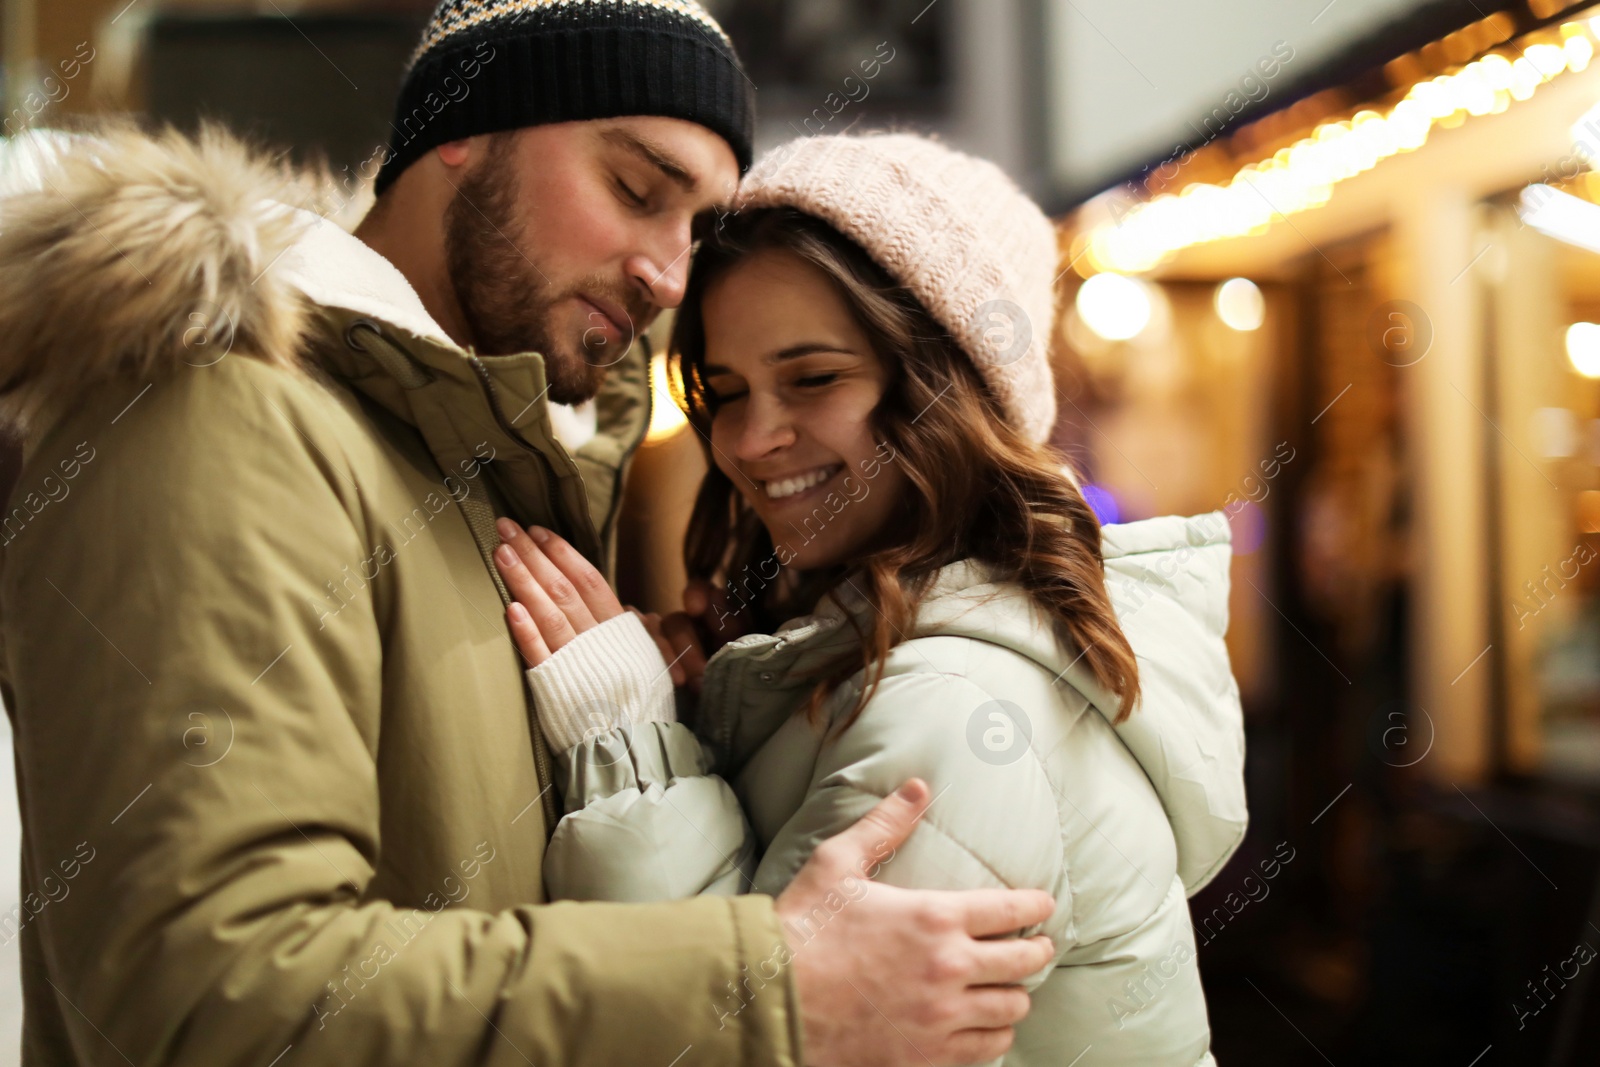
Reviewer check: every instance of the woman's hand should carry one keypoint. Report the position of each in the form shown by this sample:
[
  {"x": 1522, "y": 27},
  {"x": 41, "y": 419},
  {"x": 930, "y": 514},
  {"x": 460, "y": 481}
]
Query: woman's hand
[
  {"x": 680, "y": 646},
  {"x": 614, "y": 679},
  {"x": 710, "y": 610},
  {"x": 556, "y": 593},
  {"x": 688, "y": 637}
]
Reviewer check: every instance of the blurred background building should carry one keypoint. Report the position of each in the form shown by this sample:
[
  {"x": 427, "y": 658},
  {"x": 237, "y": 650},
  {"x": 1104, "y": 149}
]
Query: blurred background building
[{"x": 1332, "y": 266}]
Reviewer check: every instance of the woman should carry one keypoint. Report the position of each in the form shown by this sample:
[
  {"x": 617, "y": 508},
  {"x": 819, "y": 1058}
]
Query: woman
[{"x": 863, "y": 350}]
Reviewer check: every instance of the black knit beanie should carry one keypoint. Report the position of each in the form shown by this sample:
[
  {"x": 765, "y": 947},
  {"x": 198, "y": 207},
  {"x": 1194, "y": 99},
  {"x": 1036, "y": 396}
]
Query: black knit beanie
[{"x": 490, "y": 65}]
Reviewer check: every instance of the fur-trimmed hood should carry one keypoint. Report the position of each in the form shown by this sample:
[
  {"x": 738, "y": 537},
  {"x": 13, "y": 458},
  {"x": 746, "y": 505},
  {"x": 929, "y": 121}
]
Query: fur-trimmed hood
[
  {"x": 126, "y": 255},
  {"x": 127, "y": 258},
  {"x": 132, "y": 255}
]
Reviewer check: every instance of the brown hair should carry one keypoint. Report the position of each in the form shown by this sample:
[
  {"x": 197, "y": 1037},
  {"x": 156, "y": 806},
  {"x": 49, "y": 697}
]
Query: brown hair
[{"x": 979, "y": 489}]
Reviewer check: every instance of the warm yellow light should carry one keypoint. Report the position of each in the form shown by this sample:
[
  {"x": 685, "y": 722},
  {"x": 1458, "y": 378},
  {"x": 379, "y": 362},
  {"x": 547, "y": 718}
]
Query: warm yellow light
[
  {"x": 1114, "y": 306},
  {"x": 1579, "y": 52},
  {"x": 1432, "y": 97},
  {"x": 1589, "y": 511},
  {"x": 1496, "y": 71},
  {"x": 1586, "y": 133},
  {"x": 1240, "y": 304},
  {"x": 666, "y": 418},
  {"x": 1302, "y": 176},
  {"x": 1548, "y": 59},
  {"x": 1583, "y": 348},
  {"x": 1476, "y": 94}
]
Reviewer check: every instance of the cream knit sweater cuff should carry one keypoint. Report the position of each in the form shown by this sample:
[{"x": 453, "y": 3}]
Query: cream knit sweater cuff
[{"x": 612, "y": 675}]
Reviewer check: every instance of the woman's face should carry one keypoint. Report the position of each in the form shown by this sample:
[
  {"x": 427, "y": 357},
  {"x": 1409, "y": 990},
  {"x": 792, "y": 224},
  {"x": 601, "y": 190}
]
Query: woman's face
[{"x": 794, "y": 383}]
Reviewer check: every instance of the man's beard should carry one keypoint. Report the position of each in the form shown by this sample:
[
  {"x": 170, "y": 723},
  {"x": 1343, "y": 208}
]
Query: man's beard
[{"x": 509, "y": 303}]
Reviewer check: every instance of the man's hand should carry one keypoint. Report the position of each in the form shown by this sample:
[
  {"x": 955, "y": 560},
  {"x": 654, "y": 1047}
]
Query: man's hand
[{"x": 897, "y": 976}]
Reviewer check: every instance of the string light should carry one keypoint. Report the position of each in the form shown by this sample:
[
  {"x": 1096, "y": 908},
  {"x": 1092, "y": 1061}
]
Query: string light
[{"x": 1302, "y": 176}]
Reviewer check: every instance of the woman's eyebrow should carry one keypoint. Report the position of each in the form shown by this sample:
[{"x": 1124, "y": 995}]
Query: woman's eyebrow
[{"x": 808, "y": 348}]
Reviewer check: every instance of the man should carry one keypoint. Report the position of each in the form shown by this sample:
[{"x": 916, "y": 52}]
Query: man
[{"x": 281, "y": 800}]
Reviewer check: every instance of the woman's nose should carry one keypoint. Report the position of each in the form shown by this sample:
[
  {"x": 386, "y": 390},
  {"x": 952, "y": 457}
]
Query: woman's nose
[{"x": 767, "y": 429}]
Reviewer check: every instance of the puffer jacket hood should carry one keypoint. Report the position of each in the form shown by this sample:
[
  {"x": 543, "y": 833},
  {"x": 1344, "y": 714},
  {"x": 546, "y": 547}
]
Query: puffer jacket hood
[{"x": 1168, "y": 580}]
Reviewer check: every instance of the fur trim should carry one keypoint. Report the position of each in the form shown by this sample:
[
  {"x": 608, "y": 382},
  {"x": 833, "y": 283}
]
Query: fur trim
[{"x": 139, "y": 254}]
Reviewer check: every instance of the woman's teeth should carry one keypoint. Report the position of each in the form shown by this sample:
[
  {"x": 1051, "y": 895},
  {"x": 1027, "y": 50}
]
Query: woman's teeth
[{"x": 788, "y": 487}]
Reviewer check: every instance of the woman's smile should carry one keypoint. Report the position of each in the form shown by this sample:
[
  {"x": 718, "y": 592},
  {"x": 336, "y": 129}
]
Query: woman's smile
[{"x": 793, "y": 488}]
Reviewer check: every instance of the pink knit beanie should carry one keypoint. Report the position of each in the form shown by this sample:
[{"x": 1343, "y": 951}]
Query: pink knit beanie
[{"x": 953, "y": 229}]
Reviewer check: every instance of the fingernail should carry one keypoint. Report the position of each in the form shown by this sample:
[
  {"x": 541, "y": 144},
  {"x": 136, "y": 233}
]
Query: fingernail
[
  {"x": 914, "y": 790},
  {"x": 539, "y": 534},
  {"x": 507, "y": 529},
  {"x": 518, "y": 612},
  {"x": 505, "y": 555}
]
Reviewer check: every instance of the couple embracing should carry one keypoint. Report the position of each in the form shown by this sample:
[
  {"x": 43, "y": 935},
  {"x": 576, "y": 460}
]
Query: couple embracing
[{"x": 923, "y": 773}]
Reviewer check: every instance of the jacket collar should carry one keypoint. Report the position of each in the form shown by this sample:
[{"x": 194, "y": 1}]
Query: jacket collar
[
  {"x": 336, "y": 269},
  {"x": 786, "y": 662},
  {"x": 553, "y": 465}
]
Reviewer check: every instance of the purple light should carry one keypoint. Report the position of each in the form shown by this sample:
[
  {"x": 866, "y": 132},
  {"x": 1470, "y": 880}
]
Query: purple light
[
  {"x": 1249, "y": 528},
  {"x": 1104, "y": 504}
]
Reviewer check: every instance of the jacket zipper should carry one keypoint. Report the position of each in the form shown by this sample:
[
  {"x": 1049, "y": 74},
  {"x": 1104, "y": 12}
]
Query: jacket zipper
[
  {"x": 499, "y": 417},
  {"x": 541, "y": 754},
  {"x": 633, "y": 446}
]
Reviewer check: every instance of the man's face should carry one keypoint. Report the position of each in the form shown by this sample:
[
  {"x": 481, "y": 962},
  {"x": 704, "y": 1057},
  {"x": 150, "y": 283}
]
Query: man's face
[{"x": 569, "y": 239}]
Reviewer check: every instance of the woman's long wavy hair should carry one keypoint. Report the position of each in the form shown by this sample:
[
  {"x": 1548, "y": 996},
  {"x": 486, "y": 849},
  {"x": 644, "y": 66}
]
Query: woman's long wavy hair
[{"x": 977, "y": 488}]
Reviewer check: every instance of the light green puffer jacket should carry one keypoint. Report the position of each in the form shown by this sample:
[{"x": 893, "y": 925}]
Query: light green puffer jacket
[{"x": 1034, "y": 785}]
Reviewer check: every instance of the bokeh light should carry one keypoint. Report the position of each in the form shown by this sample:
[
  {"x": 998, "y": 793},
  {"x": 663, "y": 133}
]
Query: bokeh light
[
  {"x": 1240, "y": 304},
  {"x": 1249, "y": 525},
  {"x": 1583, "y": 348},
  {"x": 1102, "y": 502},
  {"x": 1115, "y": 306}
]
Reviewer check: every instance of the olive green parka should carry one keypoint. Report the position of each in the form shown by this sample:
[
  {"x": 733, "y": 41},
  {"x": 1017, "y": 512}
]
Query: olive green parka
[{"x": 281, "y": 799}]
